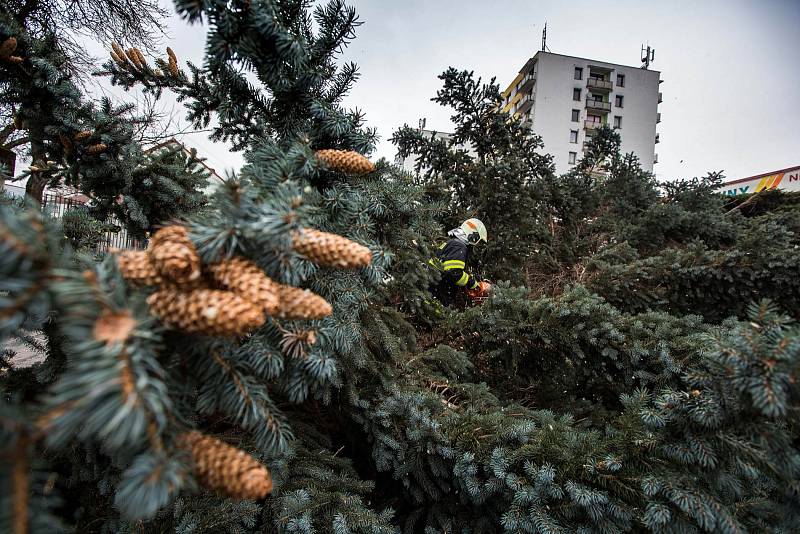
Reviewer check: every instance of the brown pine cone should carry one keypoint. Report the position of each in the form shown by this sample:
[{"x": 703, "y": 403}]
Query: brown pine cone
[
  {"x": 347, "y": 161},
  {"x": 119, "y": 51},
  {"x": 16, "y": 60},
  {"x": 134, "y": 57},
  {"x": 80, "y": 136},
  {"x": 171, "y": 54},
  {"x": 224, "y": 468},
  {"x": 247, "y": 280},
  {"x": 296, "y": 303},
  {"x": 330, "y": 250},
  {"x": 211, "y": 312},
  {"x": 173, "y": 67},
  {"x": 174, "y": 255},
  {"x": 8, "y": 47},
  {"x": 142, "y": 60},
  {"x": 99, "y": 148},
  {"x": 136, "y": 268},
  {"x": 118, "y": 60}
]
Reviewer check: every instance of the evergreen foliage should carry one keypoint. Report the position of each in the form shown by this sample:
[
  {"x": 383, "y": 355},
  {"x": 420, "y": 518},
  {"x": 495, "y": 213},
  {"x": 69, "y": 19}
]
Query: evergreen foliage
[
  {"x": 75, "y": 143},
  {"x": 490, "y": 168},
  {"x": 612, "y": 394}
]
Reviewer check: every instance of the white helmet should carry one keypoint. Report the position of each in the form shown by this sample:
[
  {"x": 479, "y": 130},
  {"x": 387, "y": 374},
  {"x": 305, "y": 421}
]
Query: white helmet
[{"x": 475, "y": 231}]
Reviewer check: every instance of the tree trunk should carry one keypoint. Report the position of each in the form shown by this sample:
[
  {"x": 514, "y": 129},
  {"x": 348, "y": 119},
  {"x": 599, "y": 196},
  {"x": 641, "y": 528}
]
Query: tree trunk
[
  {"x": 35, "y": 186},
  {"x": 36, "y": 182}
]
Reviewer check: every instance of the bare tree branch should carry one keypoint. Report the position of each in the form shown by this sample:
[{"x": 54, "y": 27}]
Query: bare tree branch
[
  {"x": 18, "y": 142},
  {"x": 6, "y": 132}
]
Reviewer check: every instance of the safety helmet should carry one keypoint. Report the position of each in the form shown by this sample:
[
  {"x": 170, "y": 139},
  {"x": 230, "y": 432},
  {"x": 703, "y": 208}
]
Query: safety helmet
[{"x": 475, "y": 231}]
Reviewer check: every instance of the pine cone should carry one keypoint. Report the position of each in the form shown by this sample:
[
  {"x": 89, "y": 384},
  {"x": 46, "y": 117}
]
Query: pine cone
[
  {"x": 134, "y": 57},
  {"x": 99, "y": 148},
  {"x": 8, "y": 47},
  {"x": 330, "y": 250},
  {"x": 296, "y": 303},
  {"x": 142, "y": 61},
  {"x": 114, "y": 327},
  {"x": 119, "y": 51},
  {"x": 18, "y": 122},
  {"x": 16, "y": 60},
  {"x": 80, "y": 136},
  {"x": 118, "y": 60},
  {"x": 173, "y": 67},
  {"x": 171, "y": 54},
  {"x": 210, "y": 312},
  {"x": 247, "y": 280},
  {"x": 346, "y": 161},
  {"x": 136, "y": 268},
  {"x": 224, "y": 468},
  {"x": 174, "y": 255}
]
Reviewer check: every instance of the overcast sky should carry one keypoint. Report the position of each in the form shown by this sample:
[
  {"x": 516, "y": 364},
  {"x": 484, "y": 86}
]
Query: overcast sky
[{"x": 731, "y": 68}]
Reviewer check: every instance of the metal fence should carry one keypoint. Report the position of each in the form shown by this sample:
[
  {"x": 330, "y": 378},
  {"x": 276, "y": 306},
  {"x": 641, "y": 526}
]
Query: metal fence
[{"x": 56, "y": 205}]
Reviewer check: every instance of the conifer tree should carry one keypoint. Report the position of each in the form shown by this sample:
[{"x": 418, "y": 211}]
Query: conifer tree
[
  {"x": 84, "y": 145},
  {"x": 490, "y": 168},
  {"x": 234, "y": 317}
]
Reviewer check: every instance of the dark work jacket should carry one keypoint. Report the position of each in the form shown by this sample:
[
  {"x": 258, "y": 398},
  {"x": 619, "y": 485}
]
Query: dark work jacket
[{"x": 451, "y": 259}]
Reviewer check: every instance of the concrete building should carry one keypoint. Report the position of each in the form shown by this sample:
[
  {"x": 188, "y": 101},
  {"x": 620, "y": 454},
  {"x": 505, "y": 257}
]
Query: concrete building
[{"x": 564, "y": 99}]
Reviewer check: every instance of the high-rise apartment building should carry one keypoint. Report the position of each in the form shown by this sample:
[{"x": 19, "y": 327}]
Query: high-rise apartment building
[{"x": 564, "y": 99}]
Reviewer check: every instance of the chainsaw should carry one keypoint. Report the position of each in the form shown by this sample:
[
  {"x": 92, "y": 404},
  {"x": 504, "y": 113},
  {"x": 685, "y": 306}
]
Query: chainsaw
[{"x": 480, "y": 294}]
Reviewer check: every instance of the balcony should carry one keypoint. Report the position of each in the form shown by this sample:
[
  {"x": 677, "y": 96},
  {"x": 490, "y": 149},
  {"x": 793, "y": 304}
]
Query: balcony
[
  {"x": 598, "y": 105},
  {"x": 527, "y": 122},
  {"x": 655, "y": 158},
  {"x": 658, "y": 118},
  {"x": 658, "y": 138},
  {"x": 590, "y": 126},
  {"x": 524, "y": 86},
  {"x": 524, "y": 104},
  {"x": 660, "y": 98},
  {"x": 596, "y": 84}
]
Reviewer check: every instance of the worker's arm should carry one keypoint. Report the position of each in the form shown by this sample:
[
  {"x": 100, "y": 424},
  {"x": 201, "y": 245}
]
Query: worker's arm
[{"x": 453, "y": 264}]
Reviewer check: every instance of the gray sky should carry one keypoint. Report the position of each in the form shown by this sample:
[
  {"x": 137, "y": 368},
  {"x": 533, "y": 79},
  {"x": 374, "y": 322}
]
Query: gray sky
[{"x": 730, "y": 68}]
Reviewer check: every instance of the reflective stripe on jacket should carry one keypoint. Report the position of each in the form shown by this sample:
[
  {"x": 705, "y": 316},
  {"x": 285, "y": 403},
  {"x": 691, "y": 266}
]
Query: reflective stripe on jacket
[{"x": 451, "y": 260}]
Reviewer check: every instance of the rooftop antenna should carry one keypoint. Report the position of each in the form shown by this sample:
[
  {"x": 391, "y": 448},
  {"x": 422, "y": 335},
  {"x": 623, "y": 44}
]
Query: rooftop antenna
[
  {"x": 648, "y": 56},
  {"x": 544, "y": 38}
]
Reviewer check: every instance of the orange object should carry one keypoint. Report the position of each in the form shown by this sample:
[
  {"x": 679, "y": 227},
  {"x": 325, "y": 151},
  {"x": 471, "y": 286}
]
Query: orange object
[{"x": 480, "y": 293}]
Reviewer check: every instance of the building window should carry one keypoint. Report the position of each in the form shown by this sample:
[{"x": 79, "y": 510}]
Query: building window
[
  {"x": 617, "y": 121},
  {"x": 576, "y": 94},
  {"x": 621, "y": 80},
  {"x": 578, "y": 73},
  {"x": 573, "y": 136},
  {"x": 576, "y": 115},
  {"x": 572, "y": 156},
  {"x": 618, "y": 101}
]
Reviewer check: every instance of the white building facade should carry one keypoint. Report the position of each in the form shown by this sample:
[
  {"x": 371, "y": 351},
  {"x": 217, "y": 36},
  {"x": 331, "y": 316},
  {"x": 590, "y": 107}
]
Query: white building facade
[{"x": 564, "y": 99}]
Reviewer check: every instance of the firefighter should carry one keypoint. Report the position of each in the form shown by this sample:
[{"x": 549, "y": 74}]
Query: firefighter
[{"x": 451, "y": 260}]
